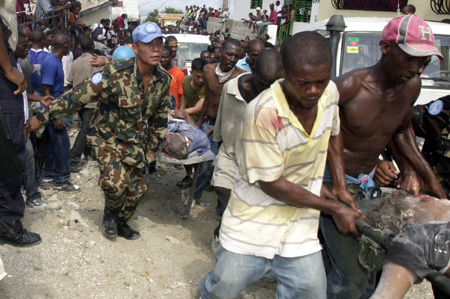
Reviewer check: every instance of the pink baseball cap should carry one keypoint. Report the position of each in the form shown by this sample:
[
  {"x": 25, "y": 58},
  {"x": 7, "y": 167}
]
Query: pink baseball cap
[{"x": 412, "y": 34}]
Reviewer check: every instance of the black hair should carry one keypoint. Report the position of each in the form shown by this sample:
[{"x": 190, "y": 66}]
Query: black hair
[
  {"x": 305, "y": 48},
  {"x": 231, "y": 41},
  {"x": 198, "y": 64},
  {"x": 268, "y": 45},
  {"x": 268, "y": 64},
  {"x": 210, "y": 48},
  {"x": 37, "y": 35},
  {"x": 411, "y": 8},
  {"x": 170, "y": 38},
  {"x": 168, "y": 49},
  {"x": 86, "y": 43}
]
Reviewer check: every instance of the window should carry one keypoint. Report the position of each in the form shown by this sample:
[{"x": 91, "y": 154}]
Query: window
[
  {"x": 255, "y": 3},
  {"x": 302, "y": 10}
]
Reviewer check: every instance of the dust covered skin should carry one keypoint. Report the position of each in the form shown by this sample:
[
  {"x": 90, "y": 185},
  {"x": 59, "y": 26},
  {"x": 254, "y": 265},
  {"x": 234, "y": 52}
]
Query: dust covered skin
[{"x": 399, "y": 208}]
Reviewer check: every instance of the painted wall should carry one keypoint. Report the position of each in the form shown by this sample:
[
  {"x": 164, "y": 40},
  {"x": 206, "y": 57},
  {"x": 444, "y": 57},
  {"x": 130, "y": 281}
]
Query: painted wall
[
  {"x": 130, "y": 7},
  {"x": 239, "y": 9},
  {"x": 423, "y": 10}
]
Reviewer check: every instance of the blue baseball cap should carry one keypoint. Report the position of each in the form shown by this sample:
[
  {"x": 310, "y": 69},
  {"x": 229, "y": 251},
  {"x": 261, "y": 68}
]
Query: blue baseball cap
[{"x": 146, "y": 32}]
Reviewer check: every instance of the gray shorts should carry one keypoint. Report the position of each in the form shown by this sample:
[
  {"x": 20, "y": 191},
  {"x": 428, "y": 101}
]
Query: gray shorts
[{"x": 422, "y": 249}]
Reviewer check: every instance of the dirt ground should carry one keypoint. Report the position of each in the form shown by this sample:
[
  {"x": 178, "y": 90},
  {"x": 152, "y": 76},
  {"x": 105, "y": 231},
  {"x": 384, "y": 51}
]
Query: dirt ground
[{"x": 74, "y": 260}]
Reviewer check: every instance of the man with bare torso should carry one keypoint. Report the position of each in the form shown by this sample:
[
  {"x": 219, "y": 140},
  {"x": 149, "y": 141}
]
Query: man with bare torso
[
  {"x": 216, "y": 75},
  {"x": 375, "y": 108}
]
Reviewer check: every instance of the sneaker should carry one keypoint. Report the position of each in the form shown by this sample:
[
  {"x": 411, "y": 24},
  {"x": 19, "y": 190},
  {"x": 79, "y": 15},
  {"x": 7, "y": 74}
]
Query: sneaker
[
  {"x": 185, "y": 183},
  {"x": 125, "y": 231},
  {"x": 36, "y": 203},
  {"x": 46, "y": 184},
  {"x": 24, "y": 239},
  {"x": 67, "y": 187}
]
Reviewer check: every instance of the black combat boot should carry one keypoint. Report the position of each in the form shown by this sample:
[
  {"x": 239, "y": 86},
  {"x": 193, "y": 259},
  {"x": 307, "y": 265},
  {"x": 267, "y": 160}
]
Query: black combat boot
[
  {"x": 109, "y": 226},
  {"x": 125, "y": 231}
]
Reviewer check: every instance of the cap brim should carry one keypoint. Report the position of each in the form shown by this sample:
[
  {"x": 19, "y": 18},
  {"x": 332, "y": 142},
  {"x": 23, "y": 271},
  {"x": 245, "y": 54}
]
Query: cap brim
[
  {"x": 150, "y": 38},
  {"x": 420, "y": 50}
]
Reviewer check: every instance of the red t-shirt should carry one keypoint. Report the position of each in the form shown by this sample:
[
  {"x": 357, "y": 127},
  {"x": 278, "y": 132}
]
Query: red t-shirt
[
  {"x": 120, "y": 22},
  {"x": 23, "y": 9},
  {"x": 273, "y": 17}
]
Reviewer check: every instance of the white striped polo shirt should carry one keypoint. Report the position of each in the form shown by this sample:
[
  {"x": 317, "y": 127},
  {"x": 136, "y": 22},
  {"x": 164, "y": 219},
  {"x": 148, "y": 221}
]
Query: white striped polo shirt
[{"x": 276, "y": 145}]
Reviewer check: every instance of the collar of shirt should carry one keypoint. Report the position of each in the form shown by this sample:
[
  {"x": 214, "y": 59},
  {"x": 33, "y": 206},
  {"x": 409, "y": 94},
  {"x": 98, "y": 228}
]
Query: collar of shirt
[{"x": 233, "y": 87}]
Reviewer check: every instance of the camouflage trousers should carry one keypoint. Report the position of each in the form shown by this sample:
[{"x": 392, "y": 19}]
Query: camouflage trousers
[{"x": 122, "y": 184}]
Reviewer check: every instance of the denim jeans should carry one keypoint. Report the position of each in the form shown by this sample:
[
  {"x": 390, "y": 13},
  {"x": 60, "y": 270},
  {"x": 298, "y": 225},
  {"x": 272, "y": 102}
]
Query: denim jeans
[
  {"x": 80, "y": 146},
  {"x": 31, "y": 179},
  {"x": 57, "y": 154},
  {"x": 300, "y": 277},
  {"x": 205, "y": 170}
]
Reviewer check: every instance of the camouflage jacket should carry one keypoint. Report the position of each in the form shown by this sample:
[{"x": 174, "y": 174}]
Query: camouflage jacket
[
  {"x": 432, "y": 122},
  {"x": 126, "y": 119}
]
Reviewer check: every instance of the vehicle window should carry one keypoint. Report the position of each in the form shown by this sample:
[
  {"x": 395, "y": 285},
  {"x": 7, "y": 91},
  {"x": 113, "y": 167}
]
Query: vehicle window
[
  {"x": 437, "y": 72},
  {"x": 190, "y": 51},
  {"x": 362, "y": 49},
  {"x": 359, "y": 50}
]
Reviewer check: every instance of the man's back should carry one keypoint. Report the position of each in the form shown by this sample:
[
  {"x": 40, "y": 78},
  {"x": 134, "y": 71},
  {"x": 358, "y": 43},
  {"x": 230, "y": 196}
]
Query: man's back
[{"x": 370, "y": 114}]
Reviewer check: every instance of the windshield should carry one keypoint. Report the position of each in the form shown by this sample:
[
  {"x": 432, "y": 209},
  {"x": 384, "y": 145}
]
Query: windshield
[
  {"x": 362, "y": 49},
  {"x": 190, "y": 51}
]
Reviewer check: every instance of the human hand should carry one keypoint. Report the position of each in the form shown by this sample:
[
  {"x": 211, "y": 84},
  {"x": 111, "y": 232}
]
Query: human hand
[
  {"x": 410, "y": 182},
  {"x": 97, "y": 60},
  {"x": 16, "y": 77},
  {"x": 59, "y": 124},
  {"x": 46, "y": 100},
  {"x": 345, "y": 219},
  {"x": 32, "y": 124},
  {"x": 326, "y": 193},
  {"x": 344, "y": 196},
  {"x": 385, "y": 173}
]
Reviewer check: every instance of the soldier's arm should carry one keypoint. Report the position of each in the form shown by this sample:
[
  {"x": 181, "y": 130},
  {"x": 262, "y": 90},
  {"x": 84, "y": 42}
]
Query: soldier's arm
[
  {"x": 157, "y": 124},
  {"x": 76, "y": 98}
]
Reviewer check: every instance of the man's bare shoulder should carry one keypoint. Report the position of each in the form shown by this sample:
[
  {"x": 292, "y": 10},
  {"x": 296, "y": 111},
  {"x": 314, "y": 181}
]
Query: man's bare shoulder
[
  {"x": 350, "y": 83},
  {"x": 210, "y": 67}
]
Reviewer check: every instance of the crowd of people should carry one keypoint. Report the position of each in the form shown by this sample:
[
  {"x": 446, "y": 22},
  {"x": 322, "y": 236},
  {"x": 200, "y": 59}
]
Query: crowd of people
[{"x": 294, "y": 150}]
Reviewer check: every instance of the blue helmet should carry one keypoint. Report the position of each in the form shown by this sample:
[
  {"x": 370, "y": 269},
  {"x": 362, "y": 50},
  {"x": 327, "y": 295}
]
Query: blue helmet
[{"x": 122, "y": 52}]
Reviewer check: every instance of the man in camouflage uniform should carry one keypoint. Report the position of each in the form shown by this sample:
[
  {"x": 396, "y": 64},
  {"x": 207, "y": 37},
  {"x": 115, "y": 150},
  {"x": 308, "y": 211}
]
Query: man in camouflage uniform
[{"x": 130, "y": 92}]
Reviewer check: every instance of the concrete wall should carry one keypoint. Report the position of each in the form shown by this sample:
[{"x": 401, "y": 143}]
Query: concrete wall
[
  {"x": 240, "y": 8},
  {"x": 423, "y": 10},
  {"x": 96, "y": 16},
  {"x": 237, "y": 29}
]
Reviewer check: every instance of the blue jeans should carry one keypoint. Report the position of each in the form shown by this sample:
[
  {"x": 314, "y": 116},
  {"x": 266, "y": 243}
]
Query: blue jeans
[
  {"x": 301, "y": 277},
  {"x": 205, "y": 170},
  {"x": 31, "y": 179},
  {"x": 57, "y": 154}
]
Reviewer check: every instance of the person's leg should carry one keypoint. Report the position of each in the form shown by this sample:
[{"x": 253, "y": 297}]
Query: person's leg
[
  {"x": 80, "y": 145},
  {"x": 301, "y": 277},
  {"x": 30, "y": 182},
  {"x": 347, "y": 278},
  {"x": 49, "y": 156},
  {"x": 232, "y": 274},
  {"x": 61, "y": 149},
  {"x": 205, "y": 168},
  {"x": 395, "y": 282}
]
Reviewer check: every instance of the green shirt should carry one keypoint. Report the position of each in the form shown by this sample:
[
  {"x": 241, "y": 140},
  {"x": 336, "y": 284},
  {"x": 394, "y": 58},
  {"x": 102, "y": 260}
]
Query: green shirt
[{"x": 192, "y": 95}]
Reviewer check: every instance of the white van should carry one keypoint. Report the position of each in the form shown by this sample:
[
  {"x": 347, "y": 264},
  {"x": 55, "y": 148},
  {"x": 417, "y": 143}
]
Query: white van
[
  {"x": 357, "y": 46},
  {"x": 190, "y": 46}
]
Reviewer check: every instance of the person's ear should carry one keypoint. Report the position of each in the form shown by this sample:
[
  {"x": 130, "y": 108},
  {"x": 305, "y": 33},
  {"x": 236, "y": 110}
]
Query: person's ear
[
  {"x": 385, "y": 47},
  {"x": 135, "y": 49}
]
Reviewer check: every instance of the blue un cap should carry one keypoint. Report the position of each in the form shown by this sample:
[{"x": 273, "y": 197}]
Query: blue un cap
[{"x": 146, "y": 32}]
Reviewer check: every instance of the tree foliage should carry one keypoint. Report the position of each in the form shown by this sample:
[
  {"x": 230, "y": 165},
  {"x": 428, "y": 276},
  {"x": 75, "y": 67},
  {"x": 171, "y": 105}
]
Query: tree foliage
[
  {"x": 173, "y": 10},
  {"x": 152, "y": 16}
]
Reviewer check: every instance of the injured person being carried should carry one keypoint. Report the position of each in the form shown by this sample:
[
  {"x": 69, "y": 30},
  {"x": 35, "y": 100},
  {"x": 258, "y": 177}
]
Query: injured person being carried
[
  {"x": 421, "y": 246},
  {"x": 183, "y": 137}
]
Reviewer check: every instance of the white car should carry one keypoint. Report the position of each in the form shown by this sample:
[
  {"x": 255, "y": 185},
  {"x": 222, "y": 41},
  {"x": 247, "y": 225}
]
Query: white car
[{"x": 190, "y": 46}]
